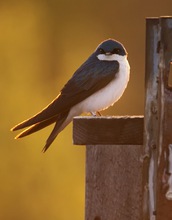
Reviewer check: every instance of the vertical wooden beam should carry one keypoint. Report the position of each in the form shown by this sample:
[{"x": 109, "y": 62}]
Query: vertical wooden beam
[
  {"x": 157, "y": 157},
  {"x": 164, "y": 198},
  {"x": 150, "y": 150}
]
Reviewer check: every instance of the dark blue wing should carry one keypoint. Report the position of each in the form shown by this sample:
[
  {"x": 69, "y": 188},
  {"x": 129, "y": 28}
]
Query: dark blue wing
[
  {"x": 92, "y": 76},
  {"x": 88, "y": 79}
]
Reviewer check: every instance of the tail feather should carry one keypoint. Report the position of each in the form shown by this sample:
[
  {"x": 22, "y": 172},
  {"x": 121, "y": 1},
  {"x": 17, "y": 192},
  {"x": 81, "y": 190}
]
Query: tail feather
[
  {"x": 50, "y": 111},
  {"x": 36, "y": 127},
  {"x": 57, "y": 128},
  {"x": 31, "y": 121}
]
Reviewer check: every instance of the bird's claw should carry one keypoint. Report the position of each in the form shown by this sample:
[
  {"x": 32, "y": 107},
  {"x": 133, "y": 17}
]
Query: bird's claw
[{"x": 96, "y": 113}]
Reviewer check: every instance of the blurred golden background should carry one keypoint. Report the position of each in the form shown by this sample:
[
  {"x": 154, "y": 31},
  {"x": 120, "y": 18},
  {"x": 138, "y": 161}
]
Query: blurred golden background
[{"x": 41, "y": 44}]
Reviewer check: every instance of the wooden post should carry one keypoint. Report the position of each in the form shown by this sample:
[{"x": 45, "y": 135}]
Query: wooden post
[
  {"x": 113, "y": 182},
  {"x": 150, "y": 153},
  {"x": 124, "y": 180},
  {"x": 164, "y": 183},
  {"x": 113, "y": 172},
  {"x": 157, "y": 191}
]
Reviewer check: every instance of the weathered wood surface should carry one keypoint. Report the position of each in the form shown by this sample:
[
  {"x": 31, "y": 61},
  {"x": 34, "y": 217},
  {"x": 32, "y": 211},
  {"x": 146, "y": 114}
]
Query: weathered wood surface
[
  {"x": 108, "y": 130},
  {"x": 113, "y": 172},
  {"x": 164, "y": 203},
  {"x": 113, "y": 182},
  {"x": 158, "y": 121},
  {"x": 150, "y": 150}
]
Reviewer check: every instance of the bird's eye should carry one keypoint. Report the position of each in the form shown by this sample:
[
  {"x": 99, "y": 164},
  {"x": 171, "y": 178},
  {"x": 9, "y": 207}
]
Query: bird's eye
[
  {"x": 116, "y": 51},
  {"x": 101, "y": 51}
]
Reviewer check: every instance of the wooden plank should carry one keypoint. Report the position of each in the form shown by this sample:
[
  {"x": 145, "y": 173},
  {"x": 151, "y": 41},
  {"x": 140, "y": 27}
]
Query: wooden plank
[
  {"x": 113, "y": 182},
  {"x": 108, "y": 130}
]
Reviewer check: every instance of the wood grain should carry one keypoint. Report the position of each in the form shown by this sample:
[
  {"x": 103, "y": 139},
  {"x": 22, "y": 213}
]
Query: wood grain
[
  {"x": 164, "y": 206},
  {"x": 108, "y": 130},
  {"x": 113, "y": 182},
  {"x": 151, "y": 118},
  {"x": 158, "y": 120}
]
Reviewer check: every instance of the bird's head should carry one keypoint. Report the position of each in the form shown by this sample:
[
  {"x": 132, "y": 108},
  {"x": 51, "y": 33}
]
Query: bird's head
[{"x": 110, "y": 50}]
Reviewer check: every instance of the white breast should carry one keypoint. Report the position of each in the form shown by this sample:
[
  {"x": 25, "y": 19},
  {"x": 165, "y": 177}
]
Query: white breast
[{"x": 111, "y": 93}]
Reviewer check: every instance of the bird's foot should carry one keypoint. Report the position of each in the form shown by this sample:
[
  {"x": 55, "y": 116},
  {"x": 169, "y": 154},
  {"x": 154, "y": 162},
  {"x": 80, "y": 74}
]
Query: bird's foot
[{"x": 96, "y": 114}]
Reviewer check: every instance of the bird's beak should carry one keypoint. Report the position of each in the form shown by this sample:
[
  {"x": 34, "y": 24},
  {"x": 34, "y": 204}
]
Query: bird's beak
[{"x": 108, "y": 53}]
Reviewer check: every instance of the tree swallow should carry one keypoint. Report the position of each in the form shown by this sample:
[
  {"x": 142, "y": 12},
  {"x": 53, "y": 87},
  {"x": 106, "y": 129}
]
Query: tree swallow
[{"x": 97, "y": 84}]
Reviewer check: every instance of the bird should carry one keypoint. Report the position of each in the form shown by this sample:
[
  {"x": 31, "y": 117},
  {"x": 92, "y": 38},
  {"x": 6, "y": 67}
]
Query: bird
[{"x": 96, "y": 85}]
